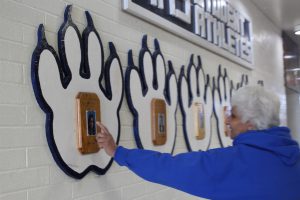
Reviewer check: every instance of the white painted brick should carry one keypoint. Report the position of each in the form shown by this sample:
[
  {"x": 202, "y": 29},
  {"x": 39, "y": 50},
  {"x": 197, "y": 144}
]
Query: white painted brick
[
  {"x": 57, "y": 176},
  {"x": 144, "y": 198},
  {"x": 31, "y": 100},
  {"x": 52, "y": 40},
  {"x": 19, "y": 20},
  {"x": 214, "y": 137},
  {"x": 179, "y": 117},
  {"x": 126, "y": 19},
  {"x": 91, "y": 185},
  {"x": 27, "y": 76},
  {"x": 182, "y": 195},
  {"x": 12, "y": 31},
  {"x": 123, "y": 58},
  {"x": 78, "y": 15},
  {"x": 15, "y": 94},
  {"x": 39, "y": 156},
  {"x": 127, "y": 133},
  {"x": 27, "y": 67},
  {"x": 153, "y": 187},
  {"x": 55, "y": 7},
  {"x": 12, "y": 159},
  {"x": 173, "y": 45},
  {"x": 110, "y": 195},
  {"x": 119, "y": 30},
  {"x": 177, "y": 68},
  {"x": 121, "y": 45},
  {"x": 11, "y": 72},
  {"x": 164, "y": 194},
  {"x": 52, "y": 23},
  {"x": 14, "y": 196},
  {"x": 116, "y": 168},
  {"x": 12, "y": 115},
  {"x": 179, "y": 131},
  {"x": 10, "y": 51},
  {"x": 133, "y": 191},
  {"x": 128, "y": 144},
  {"x": 27, "y": 72},
  {"x": 81, "y": 27},
  {"x": 12, "y": 137},
  {"x": 124, "y": 106},
  {"x": 98, "y": 7},
  {"x": 20, "y": 13},
  {"x": 129, "y": 34},
  {"x": 123, "y": 178},
  {"x": 126, "y": 118},
  {"x": 180, "y": 143},
  {"x": 23, "y": 179},
  {"x": 57, "y": 192},
  {"x": 116, "y": 4},
  {"x": 29, "y": 35},
  {"x": 35, "y": 115}
]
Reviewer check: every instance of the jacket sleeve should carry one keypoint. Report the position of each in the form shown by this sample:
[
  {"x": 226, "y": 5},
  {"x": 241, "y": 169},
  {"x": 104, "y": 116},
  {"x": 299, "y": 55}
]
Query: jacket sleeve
[{"x": 189, "y": 172}]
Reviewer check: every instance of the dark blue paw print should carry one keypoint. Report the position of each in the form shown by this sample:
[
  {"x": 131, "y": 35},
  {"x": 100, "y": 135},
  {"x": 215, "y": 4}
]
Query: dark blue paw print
[
  {"x": 151, "y": 80},
  {"x": 195, "y": 100},
  {"x": 58, "y": 78}
]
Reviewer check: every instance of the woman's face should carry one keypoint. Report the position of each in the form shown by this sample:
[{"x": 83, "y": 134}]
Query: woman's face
[{"x": 235, "y": 123}]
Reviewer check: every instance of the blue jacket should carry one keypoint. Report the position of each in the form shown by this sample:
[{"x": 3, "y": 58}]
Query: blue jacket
[{"x": 261, "y": 165}]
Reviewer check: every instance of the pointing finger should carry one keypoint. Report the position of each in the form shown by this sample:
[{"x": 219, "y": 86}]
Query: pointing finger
[{"x": 102, "y": 126}]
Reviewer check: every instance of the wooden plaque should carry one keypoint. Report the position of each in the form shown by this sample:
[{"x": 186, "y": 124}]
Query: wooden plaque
[
  {"x": 158, "y": 121},
  {"x": 199, "y": 120},
  {"x": 88, "y": 112},
  {"x": 226, "y": 113}
]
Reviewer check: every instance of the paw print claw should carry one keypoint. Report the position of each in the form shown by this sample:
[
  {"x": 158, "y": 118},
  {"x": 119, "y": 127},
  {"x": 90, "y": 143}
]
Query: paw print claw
[
  {"x": 92, "y": 50},
  {"x": 57, "y": 79},
  {"x": 69, "y": 48}
]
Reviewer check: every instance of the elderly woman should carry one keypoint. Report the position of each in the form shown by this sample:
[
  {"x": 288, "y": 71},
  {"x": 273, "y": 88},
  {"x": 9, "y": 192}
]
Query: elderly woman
[{"x": 262, "y": 164}]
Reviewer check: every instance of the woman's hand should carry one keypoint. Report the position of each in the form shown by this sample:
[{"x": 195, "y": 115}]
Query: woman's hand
[{"x": 105, "y": 140}]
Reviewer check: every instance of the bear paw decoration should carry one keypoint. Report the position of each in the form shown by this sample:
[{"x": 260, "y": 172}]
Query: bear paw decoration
[
  {"x": 195, "y": 100},
  {"x": 143, "y": 84},
  {"x": 57, "y": 80},
  {"x": 222, "y": 91}
]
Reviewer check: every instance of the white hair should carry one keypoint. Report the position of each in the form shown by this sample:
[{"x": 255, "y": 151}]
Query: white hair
[{"x": 258, "y": 106}]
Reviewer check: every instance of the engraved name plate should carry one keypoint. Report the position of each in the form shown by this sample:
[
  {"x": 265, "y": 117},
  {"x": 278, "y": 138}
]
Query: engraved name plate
[
  {"x": 158, "y": 121},
  {"x": 199, "y": 120},
  {"x": 88, "y": 112}
]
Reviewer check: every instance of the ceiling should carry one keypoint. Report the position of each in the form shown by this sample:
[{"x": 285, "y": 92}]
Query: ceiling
[{"x": 285, "y": 14}]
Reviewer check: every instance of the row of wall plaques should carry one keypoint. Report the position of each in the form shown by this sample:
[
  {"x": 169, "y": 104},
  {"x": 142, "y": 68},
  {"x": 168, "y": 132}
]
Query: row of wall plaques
[{"x": 75, "y": 87}]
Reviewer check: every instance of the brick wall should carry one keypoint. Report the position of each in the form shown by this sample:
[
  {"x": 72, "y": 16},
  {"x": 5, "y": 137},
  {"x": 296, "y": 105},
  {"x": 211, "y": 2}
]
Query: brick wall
[{"x": 27, "y": 169}]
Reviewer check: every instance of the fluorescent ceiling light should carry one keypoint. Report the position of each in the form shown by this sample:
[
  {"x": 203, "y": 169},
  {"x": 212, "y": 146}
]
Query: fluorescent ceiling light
[
  {"x": 292, "y": 70},
  {"x": 297, "y": 29},
  {"x": 288, "y": 56}
]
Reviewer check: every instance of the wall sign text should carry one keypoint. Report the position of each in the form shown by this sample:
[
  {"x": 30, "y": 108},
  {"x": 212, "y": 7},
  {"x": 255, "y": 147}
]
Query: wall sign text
[{"x": 213, "y": 24}]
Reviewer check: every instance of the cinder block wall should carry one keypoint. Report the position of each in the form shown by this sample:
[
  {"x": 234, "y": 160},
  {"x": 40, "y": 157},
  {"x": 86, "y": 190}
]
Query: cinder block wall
[{"x": 27, "y": 169}]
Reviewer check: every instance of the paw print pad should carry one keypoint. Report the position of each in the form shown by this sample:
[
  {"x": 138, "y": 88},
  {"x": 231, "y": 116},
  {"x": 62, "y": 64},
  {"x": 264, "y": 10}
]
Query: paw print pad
[
  {"x": 151, "y": 94},
  {"x": 195, "y": 100},
  {"x": 57, "y": 80}
]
